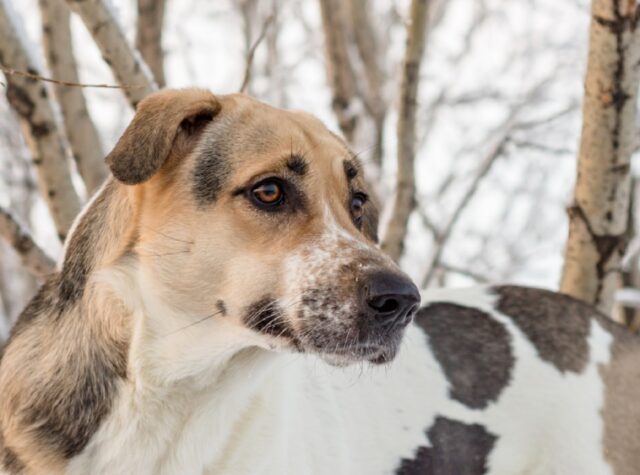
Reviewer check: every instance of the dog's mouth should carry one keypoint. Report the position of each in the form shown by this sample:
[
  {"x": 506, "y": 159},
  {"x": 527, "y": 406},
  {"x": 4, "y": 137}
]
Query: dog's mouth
[{"x": 339, "y": 350}]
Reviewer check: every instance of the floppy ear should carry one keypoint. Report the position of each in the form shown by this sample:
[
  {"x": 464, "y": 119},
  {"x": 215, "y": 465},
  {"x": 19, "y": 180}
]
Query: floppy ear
[{"x": 160, "y": 120}]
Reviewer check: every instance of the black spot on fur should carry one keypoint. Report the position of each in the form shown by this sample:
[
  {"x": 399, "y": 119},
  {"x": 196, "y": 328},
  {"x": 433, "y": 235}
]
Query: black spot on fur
[
  {"x": 473, "y": 350},
  {"x": 456, "y": 449},
  {"x": 212, "y": 171},
  {"x": 297, "y": 165},
  {"x": 265, "y": 316},
  {"x": 222, "y": 308},
  {"x": 350, "y": 169},
  {"x": 557, "y": 325}
]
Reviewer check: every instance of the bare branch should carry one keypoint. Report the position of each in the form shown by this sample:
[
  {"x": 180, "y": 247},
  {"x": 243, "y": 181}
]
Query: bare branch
[
  {"x": 598, "y": 217},
  {"x": 404, "y": 202},
  {"x": 480, "y": 278},
  {"x": 125, "y": 62},
  {"x": 30, "y": 99},
  {"x": 487, "y": 162},
  {"x": 252, "y": 51},
  {"x": 33, "y": 258},
  {"x": 81, "y": 131},
  {"x": 37, "y": 77},
  {"x": 149, "y": 36}
]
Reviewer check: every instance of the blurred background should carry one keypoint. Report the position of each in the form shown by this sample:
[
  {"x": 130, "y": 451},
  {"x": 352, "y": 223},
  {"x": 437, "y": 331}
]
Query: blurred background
[{"x": 497, "y": 119}]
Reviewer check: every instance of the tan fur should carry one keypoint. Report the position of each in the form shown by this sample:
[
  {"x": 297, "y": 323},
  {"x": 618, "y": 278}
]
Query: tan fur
[{"x": 150, "y": 216}]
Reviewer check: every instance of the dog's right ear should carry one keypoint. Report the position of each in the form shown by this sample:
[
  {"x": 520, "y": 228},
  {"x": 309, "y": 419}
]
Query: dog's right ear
[{"x": 161, "y": 119}]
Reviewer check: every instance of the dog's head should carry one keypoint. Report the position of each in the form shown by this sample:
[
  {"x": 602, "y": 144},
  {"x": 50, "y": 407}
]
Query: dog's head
[{"x": 260, "y": 218}]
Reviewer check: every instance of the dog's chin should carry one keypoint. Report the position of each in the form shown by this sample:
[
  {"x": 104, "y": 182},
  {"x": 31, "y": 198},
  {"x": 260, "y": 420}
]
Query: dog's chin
[{"x": 374, "y": 354}]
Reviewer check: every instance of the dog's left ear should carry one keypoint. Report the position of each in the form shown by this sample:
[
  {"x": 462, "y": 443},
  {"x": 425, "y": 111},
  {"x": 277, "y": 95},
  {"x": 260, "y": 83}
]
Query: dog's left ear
[{"x": 163, "y": 120}]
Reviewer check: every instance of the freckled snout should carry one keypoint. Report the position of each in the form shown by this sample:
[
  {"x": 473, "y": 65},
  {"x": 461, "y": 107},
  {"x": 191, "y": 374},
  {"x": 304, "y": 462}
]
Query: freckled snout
[{"x": 389, "y": 299}]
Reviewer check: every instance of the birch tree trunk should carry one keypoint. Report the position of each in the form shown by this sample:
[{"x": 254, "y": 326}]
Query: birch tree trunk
[
  {"x": 370, "y": 52},
  {"x": 81, "y": 131},
  {"x": 404, "y": 202},
  {"x": 149, "y": 36},
  {"x": 127, "y": 65},
  {"x": 30, "y": 99},
  {"x": 341, "y": 75},
  {"x": 599, "y": 214}
]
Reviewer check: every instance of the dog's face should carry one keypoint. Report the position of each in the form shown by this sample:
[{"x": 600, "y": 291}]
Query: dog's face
[{"x": 261, "y": 218}]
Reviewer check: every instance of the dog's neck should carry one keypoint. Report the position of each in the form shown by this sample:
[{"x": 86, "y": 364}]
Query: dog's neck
[{"x": 177, "y": 365}]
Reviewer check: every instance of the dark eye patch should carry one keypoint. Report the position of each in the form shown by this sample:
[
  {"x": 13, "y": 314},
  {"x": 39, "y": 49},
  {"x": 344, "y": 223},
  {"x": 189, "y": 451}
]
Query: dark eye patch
[{"x": 212, "y": 170}]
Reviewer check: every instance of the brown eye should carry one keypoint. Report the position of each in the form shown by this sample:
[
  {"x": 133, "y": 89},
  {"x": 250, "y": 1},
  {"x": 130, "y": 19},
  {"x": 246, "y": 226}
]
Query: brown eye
[
  {"x": 357, "y": 208},
  {"x": 267, "y": 193}
]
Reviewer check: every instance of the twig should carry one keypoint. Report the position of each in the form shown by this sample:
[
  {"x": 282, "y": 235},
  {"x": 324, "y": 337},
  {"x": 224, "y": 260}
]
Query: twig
[
  {"x": 465, "y": 272},
  {"x": 252, "y": 52},
  {"x": 33, "y": 257},
  {"x": 37, "y": 77},
  {"x": 483, "y": 170}
]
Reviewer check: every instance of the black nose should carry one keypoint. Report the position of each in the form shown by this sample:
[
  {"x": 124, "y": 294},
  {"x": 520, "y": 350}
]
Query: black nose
[{"x": 391, "y": 298}]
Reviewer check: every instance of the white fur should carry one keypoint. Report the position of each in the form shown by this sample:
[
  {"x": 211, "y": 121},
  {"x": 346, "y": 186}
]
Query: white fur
[{"x": 235, "y": 408}]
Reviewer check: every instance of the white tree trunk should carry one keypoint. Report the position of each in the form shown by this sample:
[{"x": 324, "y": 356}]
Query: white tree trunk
[
  {"x": 341, "y": 76},
  {"x": 404, "y": 202},
  {"x": 598, "y": 216},
  {"x": 127, "y": 65},
  {"x": 149, "y": 36},
  {"x": 30, "y": 99},
  {"x": 81, "y": 131}
]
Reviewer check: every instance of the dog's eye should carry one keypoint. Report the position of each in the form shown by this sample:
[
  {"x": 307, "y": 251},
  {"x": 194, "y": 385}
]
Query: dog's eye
[
  {"x": 357, "y": 208},
  {"x": 268, "y": 193}
]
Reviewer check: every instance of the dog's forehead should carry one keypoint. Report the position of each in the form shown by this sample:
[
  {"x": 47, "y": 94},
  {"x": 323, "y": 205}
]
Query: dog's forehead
[{"x": 249, "y": 137}]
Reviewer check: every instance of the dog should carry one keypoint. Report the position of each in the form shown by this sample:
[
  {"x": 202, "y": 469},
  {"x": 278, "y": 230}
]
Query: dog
[{"x": 222, "y": 307}]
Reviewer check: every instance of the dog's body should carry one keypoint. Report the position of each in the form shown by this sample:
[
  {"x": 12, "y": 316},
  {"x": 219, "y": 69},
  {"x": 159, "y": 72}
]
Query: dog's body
[{"x": 206, "y": 287}]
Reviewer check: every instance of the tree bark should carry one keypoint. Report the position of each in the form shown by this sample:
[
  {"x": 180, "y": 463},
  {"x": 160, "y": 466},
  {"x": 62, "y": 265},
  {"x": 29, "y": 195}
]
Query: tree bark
[
  {"x": 369, "y": 51},
  {"x": 81, "y": 131},
  {"x": 30, "y": 99},
  {"x": 128, "y": 67},
  {"x": 341, "y": 75},
  {"x": 598, "y": 216},
  {"x": 404, "y": 202},
  {"x": 149, "y": 36},
  {"x": 33, "y": 258}
]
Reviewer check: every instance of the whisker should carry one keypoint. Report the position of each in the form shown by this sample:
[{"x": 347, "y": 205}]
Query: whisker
[{"x": 192, "y": 324}]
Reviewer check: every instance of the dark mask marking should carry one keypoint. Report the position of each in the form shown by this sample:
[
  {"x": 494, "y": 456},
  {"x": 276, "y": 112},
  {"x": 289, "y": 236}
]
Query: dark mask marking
[
  {"x": 265, "y": 316},
  {"x": 297, "y": 165},
  {"x": 473, "y": 350},
  {"x": 456, "y": 449},
  {"x": 557, "y": 325},
  {"x": 212, "y": 170}
]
